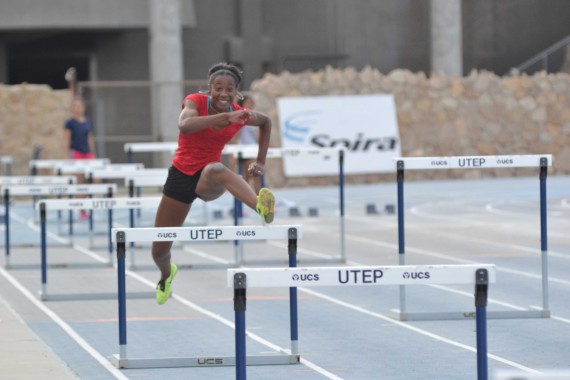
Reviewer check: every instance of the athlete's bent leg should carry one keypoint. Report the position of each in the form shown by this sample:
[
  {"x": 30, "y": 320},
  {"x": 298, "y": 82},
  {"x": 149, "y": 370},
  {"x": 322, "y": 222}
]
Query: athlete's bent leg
[{"x": 216, "y": 178}]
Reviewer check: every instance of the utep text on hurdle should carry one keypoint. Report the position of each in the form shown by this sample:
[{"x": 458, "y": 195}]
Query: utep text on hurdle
[
  {"x": 363, "y": 276},
  {"x": 350, "y": 276},
  {"x": 104, "y": 204},
  {"x": 360, "y": 276},
  {"x": 471, "y": 162},
  {"x": 204, "y": 234}
]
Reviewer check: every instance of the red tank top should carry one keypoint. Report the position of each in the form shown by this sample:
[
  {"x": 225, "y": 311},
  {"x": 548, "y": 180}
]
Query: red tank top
[{"x": 196, "y": 150}]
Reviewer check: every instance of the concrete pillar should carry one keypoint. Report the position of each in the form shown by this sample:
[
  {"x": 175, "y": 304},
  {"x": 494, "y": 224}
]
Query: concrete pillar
[
  {"x": 166, "y": 68},
  {"x": 3, "y": 64},
  {"x": 446, "y": 37}
]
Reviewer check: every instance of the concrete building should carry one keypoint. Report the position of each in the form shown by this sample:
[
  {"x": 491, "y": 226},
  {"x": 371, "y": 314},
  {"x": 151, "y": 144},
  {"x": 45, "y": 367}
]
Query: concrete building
[{"x": 175, "y": 40}]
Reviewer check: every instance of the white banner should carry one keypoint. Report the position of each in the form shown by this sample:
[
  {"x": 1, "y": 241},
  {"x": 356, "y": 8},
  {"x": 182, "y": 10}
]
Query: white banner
[{"x": 365, "y": 126}]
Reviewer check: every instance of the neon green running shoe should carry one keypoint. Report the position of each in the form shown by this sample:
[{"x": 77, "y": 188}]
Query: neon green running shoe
[
  {"x": 266, "y": 205},
  {"x": 163, "y": 288}
]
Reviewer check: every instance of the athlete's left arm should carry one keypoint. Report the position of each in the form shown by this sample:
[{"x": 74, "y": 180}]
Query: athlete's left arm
[{"x": 264, "y": 123}]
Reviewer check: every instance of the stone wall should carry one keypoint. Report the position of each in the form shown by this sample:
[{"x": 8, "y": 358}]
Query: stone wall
[
  {"x": 32, "y": 116},
  {"x": 480, "y": 114}
]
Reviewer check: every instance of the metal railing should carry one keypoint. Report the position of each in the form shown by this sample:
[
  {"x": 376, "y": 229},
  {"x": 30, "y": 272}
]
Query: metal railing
[{"x": 541, "y": 60}]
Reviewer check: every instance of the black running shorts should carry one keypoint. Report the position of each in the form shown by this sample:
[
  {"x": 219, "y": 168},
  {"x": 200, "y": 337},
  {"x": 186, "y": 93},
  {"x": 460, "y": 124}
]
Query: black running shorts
[{"x": 180, "y": 186}]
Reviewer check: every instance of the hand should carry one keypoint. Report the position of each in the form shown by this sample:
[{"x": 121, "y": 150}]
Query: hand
[
  {"x": 242, "y": 116},
  {"x": 256, "y": 169}
]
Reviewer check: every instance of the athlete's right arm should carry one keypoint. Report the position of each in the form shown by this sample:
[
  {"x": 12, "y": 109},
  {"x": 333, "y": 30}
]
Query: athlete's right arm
[{"x": 191, "y": 122}]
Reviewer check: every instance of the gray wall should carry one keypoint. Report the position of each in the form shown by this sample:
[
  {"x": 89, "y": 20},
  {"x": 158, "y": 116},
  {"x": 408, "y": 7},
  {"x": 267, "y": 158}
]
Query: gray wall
[
  {"x": 81, "y": 14},
  {"x": 109, "y": 40},
  {"x": 500, "y": 34},
  {"x": 388, "y": 34}
]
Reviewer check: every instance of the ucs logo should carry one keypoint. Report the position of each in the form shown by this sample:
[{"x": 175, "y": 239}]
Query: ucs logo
[
  {"x": 210, "y": 361},
  {"x": 416, "y": 275},
  {"x": 166, "y": 235},
  {"x": 305, "y": 277}
]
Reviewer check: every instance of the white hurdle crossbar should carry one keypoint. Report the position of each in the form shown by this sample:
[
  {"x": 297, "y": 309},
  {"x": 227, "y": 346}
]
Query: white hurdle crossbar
[
  {"x": 108, "y": 204},
  {"x": 123, "y": 236},
  {"x": 479, "y": 275},
  {"x": 48, "y": 190},
  {"x": 37, "y": 180},
  {"x": 71, "y": 163},
  {"x": 149, "y": 147},
  {"x": 542, "y": 161},
  {"x": 112, "y": 171}
]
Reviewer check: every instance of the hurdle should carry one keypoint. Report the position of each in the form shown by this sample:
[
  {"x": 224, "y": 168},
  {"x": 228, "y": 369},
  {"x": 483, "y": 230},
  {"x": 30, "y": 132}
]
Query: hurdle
[
  {"x": 47, "y": 190},
  {"x": 474, "y": 162},
  {"x": 151, "y": 177},
  {"x": 6, "y": 162},
  {"x": 479, "y": 275},
  {"x": 51, "y": 164},
  {"x": 108, "y": 204},
  {"x": 149, "y": 147},
  {"x": 245, "y": 152},
  {"x": 37, "y": 180},
  {"x": 123, "y": 236},
  {"x": 111, "y": 171}
]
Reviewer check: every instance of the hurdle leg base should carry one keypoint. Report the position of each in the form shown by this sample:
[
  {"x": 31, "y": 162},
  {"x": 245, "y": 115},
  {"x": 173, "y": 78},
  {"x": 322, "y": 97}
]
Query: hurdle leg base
[
  {"x": 457, "y": 315},
  {"x": 95, "y": 296},
  {"x": 207, "y": 361}
]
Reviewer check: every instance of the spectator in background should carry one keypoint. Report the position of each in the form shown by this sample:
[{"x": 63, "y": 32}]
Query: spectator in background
[
  {"x": 78, "y": 137},
  {"x": 78, "y": 130}
]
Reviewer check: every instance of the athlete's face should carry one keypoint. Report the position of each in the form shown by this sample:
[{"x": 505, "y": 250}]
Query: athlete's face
[
  {"x": 223, "y": 90},
  {"x": 77, "y": 108}
]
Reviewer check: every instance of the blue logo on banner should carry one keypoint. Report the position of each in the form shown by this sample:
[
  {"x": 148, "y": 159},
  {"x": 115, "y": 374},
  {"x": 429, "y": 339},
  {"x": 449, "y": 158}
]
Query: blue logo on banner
[{"x": 298, "y": 125}]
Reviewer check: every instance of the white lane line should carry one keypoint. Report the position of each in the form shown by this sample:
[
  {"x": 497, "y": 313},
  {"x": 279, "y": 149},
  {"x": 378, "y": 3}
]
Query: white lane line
[
  {"x": 184, "y": 301},
  {"x": 425, "y": 252},
  {"x": 499, "y": 269},
  {"x": 517, "y": 247},
  {"x": 435, "y": 255},
  {"x": 356, "y": 308},
  {"x": 417, "y": 210},
  {"x": 30, "y": 223},
  {"x": 204, "y": 255},
  {"x": 451, "y": 290},
  {"x": 64, "y": 326},
  {"x": 231, "y": 325},
  {"x": 339, "y": 302},
  {"x": 415, "y": 329}
]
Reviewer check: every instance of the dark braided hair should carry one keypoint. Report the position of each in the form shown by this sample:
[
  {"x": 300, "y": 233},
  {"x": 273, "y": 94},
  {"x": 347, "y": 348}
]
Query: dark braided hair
[{"x": 224, "y": 68}]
